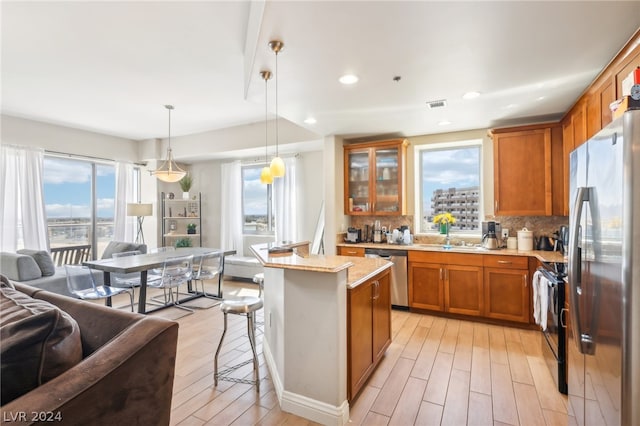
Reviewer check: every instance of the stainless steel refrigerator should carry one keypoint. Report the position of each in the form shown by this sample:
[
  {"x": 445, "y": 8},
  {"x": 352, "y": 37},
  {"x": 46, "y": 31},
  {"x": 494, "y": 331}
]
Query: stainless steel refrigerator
[{"x": 604, "y": 276}]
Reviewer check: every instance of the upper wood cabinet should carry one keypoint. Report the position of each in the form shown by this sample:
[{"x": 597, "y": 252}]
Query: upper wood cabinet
[
  {"x": 522, "y": 171},
  {"x": 375, "y": 178}
]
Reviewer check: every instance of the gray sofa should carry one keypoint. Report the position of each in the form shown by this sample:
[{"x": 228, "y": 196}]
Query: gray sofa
[
  {"x": 112, "y": 367},
  {"x": 32, "y": 267}
]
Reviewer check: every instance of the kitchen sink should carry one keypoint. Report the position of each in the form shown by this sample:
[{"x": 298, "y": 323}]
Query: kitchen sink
[{"x": 455, "y": 249}]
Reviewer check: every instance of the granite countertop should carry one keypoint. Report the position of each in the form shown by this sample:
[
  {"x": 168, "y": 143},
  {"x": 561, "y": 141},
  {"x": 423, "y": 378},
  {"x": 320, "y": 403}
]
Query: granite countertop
[
  {"x": 359, "y": 269},
  {"x": 543, "y": 256}
]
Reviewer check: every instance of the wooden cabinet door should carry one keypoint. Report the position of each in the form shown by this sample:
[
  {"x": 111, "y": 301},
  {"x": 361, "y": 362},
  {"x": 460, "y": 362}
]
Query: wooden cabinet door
[
  {"x": 426, "y": 286},
  {"x": 567, "y": 147},
  {"x": 506, "y": 294},
  {"x": 522, "y": 173},
  {"x": 381, "y": 315},
  {"x": 360, "y": 337},
  {"x": 607, "y": 96},
  {"x": 463, "y": 292},
  {"x": 375, "y": 178},
  {"x": 579, "y": 125},
  {"x": 357, "y": 180}
]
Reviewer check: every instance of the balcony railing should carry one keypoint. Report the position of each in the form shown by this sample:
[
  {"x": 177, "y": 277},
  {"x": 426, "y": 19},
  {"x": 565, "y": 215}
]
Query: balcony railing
[{"x": 71, "y": 255}]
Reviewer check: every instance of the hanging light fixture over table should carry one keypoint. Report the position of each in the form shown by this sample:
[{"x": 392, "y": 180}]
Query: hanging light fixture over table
[
  {"x": 169, "y": 170},
  {"x": 277, "y": 165},
  {"x": 266, "y": 176}
]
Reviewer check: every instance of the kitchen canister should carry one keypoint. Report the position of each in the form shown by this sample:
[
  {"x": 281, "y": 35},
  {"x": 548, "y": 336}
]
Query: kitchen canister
[
  {"x": 525, "y": 240},
  {"x": 512, "y": 243}
]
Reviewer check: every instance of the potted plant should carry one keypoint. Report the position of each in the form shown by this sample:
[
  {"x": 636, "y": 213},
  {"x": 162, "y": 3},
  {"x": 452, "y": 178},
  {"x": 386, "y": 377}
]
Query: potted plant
[
  {"x": 191, "y": 228},
  {"x": 185, "y": 184},
  {"x": 183, "y": 242}
]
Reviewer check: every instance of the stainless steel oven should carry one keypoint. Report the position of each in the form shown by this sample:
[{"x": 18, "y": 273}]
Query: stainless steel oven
[{"x": 554, "y": 343}]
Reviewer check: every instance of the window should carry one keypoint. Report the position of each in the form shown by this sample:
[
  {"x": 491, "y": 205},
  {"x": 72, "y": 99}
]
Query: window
[
  {"x": 80, "y": 201},
  {"x": 257, "y": 205},
  {"x": 449, "y": 177}
]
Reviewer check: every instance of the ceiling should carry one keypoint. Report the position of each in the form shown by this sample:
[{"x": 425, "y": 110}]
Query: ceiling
[{"x": 109, "y": 67}]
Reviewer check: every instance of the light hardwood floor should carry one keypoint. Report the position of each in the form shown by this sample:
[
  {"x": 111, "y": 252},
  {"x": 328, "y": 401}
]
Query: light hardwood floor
[{"x": 436, "y": 371}]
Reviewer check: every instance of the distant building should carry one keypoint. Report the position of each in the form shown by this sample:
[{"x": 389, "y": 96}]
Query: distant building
[{"x": 462, "y": 203}]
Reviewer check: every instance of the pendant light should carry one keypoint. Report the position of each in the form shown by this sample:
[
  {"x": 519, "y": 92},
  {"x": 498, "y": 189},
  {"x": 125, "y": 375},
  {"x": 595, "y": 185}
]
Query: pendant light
[
  {"x": 277, "y": 165},
  {"x": 265, "y": 175},
  {"x": 169, "y": 170}
]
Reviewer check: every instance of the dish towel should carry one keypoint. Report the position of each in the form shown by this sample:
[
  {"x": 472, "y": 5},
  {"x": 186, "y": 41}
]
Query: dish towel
[{"x": 540, "y": 299}]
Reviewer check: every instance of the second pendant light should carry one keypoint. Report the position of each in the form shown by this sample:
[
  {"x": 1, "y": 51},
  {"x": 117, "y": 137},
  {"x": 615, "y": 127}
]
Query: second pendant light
[
  {"x": 265, "y": 174},
  {"x": 277, "y": 165}
]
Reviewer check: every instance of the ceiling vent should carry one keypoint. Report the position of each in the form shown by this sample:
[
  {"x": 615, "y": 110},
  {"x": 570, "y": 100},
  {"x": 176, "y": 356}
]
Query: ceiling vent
[{"x": 437, "y": 104}]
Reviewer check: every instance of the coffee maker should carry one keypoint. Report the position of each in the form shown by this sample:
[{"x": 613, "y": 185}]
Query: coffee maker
[{"x": 490, "y": 232}]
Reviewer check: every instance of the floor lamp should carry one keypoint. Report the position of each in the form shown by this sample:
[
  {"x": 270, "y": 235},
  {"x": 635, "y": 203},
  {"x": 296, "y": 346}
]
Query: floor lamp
[{"x": 140, "y": 211}]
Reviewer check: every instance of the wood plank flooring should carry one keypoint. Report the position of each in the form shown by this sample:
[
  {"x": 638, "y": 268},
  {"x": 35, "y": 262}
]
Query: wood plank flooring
[{"x": 437, "y": 371}]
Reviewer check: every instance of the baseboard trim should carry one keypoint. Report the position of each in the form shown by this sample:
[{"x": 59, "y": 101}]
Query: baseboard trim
[{"x": 300, "y": 405}]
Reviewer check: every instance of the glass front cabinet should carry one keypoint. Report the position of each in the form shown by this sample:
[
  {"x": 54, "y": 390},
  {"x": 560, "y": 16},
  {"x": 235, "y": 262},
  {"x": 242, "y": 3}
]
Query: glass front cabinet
[{"x": 375, "y": 178}]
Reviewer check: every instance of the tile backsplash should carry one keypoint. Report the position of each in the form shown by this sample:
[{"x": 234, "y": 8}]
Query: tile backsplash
[{"x": 540, "y": 225}]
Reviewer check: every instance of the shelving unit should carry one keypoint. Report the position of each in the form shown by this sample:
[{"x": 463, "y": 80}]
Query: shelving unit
[{"x": 177, "y": 213}]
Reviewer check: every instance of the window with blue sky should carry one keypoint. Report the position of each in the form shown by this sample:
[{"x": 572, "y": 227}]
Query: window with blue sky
[{"x": 449, "y": 181}]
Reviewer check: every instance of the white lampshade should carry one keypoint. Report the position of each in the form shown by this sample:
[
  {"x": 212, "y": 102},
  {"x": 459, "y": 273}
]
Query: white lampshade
[{"x": 139, "y": 209}]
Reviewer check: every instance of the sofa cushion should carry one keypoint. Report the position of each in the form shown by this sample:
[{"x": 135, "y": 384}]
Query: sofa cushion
[
  {"x": 43, "y": 259},
  {"x": 121, "y": 246},
  {"x": 39, "y": 342},
  {"x": 19, "y": 267}
]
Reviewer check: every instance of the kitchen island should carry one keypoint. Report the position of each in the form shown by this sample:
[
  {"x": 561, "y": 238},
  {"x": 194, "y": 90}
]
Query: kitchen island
[{"x": 306, "y": 328}]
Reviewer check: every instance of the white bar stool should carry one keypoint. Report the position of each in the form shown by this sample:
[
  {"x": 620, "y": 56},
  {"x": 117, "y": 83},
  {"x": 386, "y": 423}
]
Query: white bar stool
[{"x": 247, "y": 305}]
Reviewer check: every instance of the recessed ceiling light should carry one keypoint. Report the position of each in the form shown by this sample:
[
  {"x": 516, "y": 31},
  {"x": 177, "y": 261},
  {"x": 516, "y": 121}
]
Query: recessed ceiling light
[
  {"x": 348, "y": 79},
  {"x": 444, "y": 123},
  {"x": 470, "y": 95},
  {"x": 310, "y": 120}
]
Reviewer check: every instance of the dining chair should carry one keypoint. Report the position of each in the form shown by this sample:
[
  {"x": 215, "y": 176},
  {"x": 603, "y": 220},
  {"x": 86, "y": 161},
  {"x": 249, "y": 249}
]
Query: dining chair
[
  {"x": 209, "y": 268},
  {"x": 176, "y": 271},
  {"x": 81, "y": 282},
  {"x": 132, "y": 279}
]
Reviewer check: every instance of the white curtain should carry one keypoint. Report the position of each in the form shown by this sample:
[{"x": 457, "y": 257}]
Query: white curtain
[
  {"x": 231, "y": 202},
  {"x": 124, "y": 226},
  {"x": 22, "y": 195},
  {"x": 286, "y": 202}
]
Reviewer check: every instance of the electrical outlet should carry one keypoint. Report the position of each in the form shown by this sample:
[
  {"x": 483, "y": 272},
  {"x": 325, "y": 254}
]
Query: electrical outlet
[{"x": 505, "y": 233}]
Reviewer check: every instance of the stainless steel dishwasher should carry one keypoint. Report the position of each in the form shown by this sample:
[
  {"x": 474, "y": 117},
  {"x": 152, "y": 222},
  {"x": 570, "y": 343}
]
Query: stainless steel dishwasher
[{"x": 399, "y": 288}]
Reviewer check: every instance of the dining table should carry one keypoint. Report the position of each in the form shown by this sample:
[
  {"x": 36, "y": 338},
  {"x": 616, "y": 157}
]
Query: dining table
[{"x": 142, "y": 263}]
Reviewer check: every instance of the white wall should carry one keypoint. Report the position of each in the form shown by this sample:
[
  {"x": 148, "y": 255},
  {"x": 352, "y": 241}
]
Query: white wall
[{"x": 19, "y": 131}]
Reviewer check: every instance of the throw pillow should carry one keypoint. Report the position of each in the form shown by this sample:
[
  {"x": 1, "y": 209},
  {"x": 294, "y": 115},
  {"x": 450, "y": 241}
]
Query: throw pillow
[
  {"x": 39, "y": 342},
  {"x": 43, "y": 259},
  {"x": 19, "y": 267}
]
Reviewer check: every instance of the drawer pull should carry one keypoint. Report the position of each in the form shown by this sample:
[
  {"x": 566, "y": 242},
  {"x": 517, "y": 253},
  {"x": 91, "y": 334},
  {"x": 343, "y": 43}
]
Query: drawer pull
[
  {"x": 352, "y": 252},
  {"x": 505, "y": 262}
]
